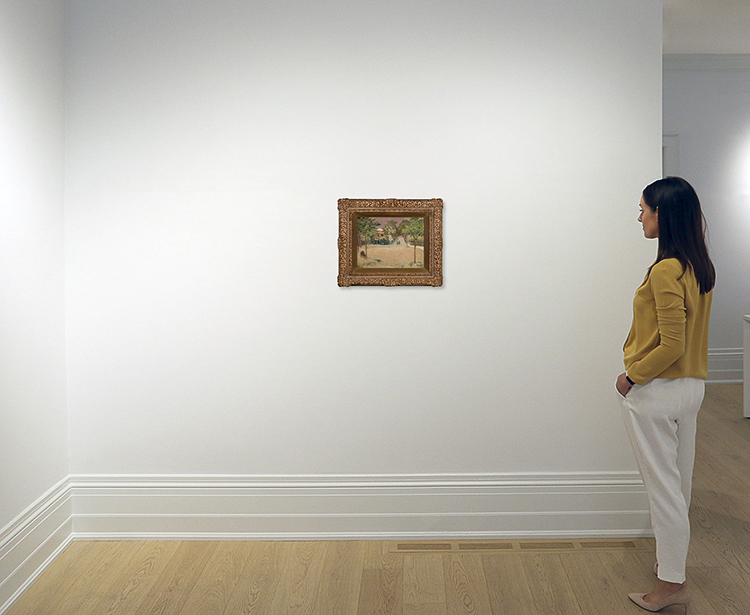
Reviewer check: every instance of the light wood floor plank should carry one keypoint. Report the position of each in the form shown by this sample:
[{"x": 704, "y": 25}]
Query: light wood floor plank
[
  {"x": 47, "y": 593},
  {"x": 726, "y": 594},
  {"x": 381, "y": 585},
  {"x": 424, "y": 584},
  {"x": 341, "y": 579},
  {"x": 591, "y": 582},
  {"x": 705, "y": 542},
  {"x": 550, "y": 585},
  {"x": 379, "y": 557},
  {"x": 627, "y": 572},
  {"x": 424, "y": 609},
  {"x": 726, "y": 442},
  {"x": 700, "y": 603},
  {"x": 177, "y": 579},
  {"x": 97, "y": 585},
  {"x": 148, "y": 565},
  {"x": 719, "y": 474},
  {"x": 507, "y": 584},
  {"x": 465, "y": 585},
  {"x": 736, "y": 549},
  {"x": 301, "y": 577},
  {"x": 381, "y": 592},
  {"x": 260, "y": 577},
  {"x": 214, "y": 589},
  {"x": 721, "y": 528},
  {"x": 726, "y": 403}
]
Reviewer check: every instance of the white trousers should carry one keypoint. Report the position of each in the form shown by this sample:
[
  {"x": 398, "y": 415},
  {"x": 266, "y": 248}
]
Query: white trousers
[{"x": 661, "y": 418}]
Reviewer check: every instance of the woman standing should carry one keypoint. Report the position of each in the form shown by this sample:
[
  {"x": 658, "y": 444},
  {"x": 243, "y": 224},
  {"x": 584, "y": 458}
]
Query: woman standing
[{"x": 666, "y": 362}]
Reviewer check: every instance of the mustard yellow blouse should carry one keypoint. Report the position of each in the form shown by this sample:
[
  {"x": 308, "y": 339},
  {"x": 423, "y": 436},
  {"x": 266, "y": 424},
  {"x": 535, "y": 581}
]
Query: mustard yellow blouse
[{"x": 669, "y": 334}]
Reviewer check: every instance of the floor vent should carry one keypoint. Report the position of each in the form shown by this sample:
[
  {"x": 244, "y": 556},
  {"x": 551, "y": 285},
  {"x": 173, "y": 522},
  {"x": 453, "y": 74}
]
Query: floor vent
[
  {"x": 547, "y": 546},
  {"x": 522, "y": 546}
]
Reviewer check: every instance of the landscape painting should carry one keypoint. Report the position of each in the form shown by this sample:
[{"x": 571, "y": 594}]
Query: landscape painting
[{"x": 390, "y": 242}]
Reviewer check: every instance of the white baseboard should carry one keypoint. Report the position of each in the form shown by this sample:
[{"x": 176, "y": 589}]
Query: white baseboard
[
  {"x": 725, "y": 366},
  {"x": 32, "y": 541},
  {"x": 611, "y": 504},
  {"x": 359, "y": 507}
]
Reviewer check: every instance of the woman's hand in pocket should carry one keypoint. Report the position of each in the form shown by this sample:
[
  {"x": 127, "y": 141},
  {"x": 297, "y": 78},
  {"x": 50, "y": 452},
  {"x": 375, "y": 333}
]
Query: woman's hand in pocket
[{"x": 622, "y": 385}]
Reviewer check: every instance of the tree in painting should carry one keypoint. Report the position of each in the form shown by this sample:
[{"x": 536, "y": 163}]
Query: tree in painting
[
  {"x": 414, "y": 228},
  {"x": 391, "y": 229},
  {"x": 366, "y": 230},
  {"x": 401, "y": 229}
]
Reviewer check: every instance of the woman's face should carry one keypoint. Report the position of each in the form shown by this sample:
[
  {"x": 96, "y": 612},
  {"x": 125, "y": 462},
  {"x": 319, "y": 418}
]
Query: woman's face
[{"x": 649, "y": 218}]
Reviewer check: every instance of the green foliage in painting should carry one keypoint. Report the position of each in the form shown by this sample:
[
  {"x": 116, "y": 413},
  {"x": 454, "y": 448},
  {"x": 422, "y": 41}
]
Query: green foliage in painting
[
  {"x": 414, "y": 228},
  {"x": 366, "y": 229}
]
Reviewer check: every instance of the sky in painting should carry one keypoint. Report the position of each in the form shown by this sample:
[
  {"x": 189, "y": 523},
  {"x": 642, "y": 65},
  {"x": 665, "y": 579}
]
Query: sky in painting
[{"x": 384, "y": 220}]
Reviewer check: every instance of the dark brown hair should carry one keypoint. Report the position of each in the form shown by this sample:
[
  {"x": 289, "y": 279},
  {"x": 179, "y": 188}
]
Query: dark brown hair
[{"x": 682, "y": 228}]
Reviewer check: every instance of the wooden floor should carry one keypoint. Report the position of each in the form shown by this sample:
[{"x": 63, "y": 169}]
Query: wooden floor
[{"x": 367, "y": 578}]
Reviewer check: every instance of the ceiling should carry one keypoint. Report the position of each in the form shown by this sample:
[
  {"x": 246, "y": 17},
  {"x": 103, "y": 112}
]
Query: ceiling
[{"x": 706, "y": 26}]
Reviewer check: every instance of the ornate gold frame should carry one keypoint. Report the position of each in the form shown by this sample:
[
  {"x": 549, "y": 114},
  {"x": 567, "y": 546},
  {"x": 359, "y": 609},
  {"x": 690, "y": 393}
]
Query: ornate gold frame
[{"x": 430, "y": 274}]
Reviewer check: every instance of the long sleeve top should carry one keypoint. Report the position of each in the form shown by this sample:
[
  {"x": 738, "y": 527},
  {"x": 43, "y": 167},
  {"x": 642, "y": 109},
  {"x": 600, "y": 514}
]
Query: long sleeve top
[{"x": 669, "y": 334}]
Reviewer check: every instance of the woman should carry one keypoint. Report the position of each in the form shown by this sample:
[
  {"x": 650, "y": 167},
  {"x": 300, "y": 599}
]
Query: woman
[{"x": 666, "y": 362}]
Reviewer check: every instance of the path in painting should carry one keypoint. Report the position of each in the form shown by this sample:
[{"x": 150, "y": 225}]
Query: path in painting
[{"x": 395, "y": 255}]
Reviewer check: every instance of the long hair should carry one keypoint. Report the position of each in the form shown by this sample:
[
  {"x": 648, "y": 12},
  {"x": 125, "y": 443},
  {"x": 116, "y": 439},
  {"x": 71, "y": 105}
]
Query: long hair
[{"x": 682, "y": 228}]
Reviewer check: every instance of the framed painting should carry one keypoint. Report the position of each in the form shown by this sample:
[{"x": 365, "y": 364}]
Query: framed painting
[{"x": 390, "y": 242}]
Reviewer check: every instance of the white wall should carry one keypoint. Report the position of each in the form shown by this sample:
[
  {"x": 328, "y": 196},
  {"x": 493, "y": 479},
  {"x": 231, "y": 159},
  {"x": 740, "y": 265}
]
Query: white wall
[
  {"x": 707, "y": 105},
  {"x": 207, "y": 146},
  {"x": 33, "y": 426},
  {"x": 35, "y": 512}
]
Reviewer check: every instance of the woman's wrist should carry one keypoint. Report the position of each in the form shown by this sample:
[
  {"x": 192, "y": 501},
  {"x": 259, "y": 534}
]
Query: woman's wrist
[
  {"x": 629, "y": 380},
  {"x": 623, "y": 384}
]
